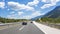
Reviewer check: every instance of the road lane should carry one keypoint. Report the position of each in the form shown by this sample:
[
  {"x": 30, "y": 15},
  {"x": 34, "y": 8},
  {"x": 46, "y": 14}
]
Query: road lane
[
  {"x": 28, "y": 29},
  {"x": 9, "y": 25},
  {"x": 31, "y": 29}
]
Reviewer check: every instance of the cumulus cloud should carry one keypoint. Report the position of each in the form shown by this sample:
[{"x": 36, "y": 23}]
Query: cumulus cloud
[
  {"x": 29, "y": 6},
  {"x": 14, "y": 15},
  {"x": 52, "y": 3},
  {"x": 18, "y": 6},
  {"x": 20, "y": 13},
  {"x": 2, "y": 4},
  {"x": 33, "y": 3},
  {"x": 46, "y": 6},
  {"x": 32, "y": 15}
]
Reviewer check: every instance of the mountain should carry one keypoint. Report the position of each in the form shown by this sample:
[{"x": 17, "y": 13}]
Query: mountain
[
  {"x": 36, "y": 17},
  {"x": 54, "y": 13}
]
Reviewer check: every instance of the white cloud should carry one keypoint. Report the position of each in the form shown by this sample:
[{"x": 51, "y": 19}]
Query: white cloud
[
  {"x": 33, "y": 3},
  {"x": 20, "y": 13},
  {"x": 2, "y": 4},
  {"x": 35, "y": 14},
  {"x": 12, "y": 12},
  {"x": 46, "y": 6},
  {"x": 18, "y": 6},
  {"x": 52, "y": 3},
  {"x": 14, "y": 15},
  {"x": 45, "y": 1}
]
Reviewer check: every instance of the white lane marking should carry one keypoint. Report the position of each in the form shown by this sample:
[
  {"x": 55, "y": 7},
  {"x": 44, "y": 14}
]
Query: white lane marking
[
  {"x": 3, "y": 28},
  {"x": 21, "y": 28}
]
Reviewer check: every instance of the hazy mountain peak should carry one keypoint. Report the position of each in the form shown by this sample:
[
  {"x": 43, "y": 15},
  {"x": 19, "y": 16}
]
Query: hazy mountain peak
[{"x": 54, "y": 13}]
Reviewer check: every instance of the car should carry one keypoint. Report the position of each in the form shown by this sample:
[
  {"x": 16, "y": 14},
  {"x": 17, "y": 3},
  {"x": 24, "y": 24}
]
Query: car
[
  {"x": 24, "y": 23},
  {"x": 31, "y": 22}
]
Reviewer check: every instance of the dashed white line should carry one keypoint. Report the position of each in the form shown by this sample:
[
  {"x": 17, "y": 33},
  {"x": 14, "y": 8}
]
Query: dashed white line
[{"x": 21, "y": 28}]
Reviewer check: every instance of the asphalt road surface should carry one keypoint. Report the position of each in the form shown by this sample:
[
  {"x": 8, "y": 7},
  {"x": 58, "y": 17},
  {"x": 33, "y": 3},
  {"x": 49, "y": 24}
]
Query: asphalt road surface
[{"x": 30, "y": 28}]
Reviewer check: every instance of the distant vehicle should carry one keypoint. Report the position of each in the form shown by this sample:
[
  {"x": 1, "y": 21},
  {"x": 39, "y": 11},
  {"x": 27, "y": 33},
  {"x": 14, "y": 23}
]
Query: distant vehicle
[
  {"x": 31, "y": 22},
  {"x": 24, "y": 23}
]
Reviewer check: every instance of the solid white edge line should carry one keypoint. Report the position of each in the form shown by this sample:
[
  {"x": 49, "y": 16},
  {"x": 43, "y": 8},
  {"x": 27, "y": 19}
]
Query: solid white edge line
[
  {"x": 38, "y": 27},
  {"x": 47, "y": 29}
]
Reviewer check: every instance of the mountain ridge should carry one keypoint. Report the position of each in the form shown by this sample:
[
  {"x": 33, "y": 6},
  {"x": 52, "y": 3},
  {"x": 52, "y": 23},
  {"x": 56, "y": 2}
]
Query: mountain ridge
[{"x": 55, "y": 13}]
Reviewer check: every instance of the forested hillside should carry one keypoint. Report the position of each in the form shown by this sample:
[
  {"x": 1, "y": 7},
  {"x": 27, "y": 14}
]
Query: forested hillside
[{"x": 51, "y": 17}]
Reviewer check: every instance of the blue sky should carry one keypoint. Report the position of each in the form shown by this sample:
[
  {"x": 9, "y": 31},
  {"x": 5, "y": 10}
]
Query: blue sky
[{"x": 26, "y": 9}]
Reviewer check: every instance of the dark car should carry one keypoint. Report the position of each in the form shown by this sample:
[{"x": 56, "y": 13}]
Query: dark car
[
  {"x": 31, "y": 22},
  {"x": 24, "y": 23}
]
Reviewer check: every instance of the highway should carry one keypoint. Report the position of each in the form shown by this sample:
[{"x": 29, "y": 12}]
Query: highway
[{"x": 30, "y": 28}]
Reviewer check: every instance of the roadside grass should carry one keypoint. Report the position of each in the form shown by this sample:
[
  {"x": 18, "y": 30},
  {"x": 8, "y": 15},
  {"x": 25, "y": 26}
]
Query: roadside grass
[
  {"x": 52, "y": 22},
  {"x": 3, "y": 27},
  {"x": 9, "y": 25}
]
